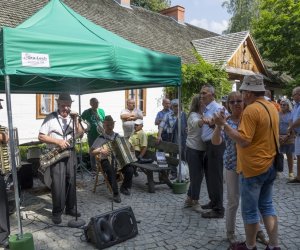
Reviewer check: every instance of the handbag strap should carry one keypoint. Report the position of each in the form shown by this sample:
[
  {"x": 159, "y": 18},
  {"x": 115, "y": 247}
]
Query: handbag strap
[{"x": 277, "y": 146}]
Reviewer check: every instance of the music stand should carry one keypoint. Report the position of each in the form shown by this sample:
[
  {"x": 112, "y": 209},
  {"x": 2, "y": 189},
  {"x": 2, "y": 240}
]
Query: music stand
[{"x": 75, "y": 223}]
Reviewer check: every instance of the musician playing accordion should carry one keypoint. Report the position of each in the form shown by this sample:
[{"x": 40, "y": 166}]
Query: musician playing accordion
[
  {"x": 108, "y": 161},
  {"x": 4, "y": 214},
  {"x": 58, "y": 132}
]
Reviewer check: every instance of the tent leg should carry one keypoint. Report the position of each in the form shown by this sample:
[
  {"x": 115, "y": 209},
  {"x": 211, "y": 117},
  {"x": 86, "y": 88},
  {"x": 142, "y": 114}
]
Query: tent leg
[{"x": 179, "y": 133}]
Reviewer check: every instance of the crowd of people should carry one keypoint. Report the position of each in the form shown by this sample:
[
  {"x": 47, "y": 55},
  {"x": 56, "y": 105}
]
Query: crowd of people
[{"x": 240, "y": 138}]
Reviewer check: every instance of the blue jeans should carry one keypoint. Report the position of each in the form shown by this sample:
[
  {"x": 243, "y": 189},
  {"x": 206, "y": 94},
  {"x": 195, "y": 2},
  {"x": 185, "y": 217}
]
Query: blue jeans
[{"x": 256, "y": 196}]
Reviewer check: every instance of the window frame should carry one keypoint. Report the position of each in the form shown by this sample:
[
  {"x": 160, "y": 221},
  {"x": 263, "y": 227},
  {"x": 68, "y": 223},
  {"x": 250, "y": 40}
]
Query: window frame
[
  {"x": 39, "y": 101},
  {"x": 136, "y": 98}
]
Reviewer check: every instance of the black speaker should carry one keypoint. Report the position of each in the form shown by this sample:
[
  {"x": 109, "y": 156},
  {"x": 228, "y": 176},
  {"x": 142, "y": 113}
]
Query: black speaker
[
  {"x": 111, "y": 228},
  {"x": 25, "y": 176}
]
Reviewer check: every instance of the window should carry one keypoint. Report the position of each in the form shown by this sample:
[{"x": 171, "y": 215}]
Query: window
[
  {"x": 139, "y": 95},
  {"x": 45, "y": 104}
]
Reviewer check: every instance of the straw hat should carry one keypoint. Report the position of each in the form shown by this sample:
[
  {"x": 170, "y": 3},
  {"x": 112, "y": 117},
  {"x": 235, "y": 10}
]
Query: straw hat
[{"x": 254, "y": 83}]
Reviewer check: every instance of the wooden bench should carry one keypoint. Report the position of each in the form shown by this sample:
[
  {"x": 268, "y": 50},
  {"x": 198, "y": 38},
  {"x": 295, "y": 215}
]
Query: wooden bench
[{"x": 149, "y": 168}]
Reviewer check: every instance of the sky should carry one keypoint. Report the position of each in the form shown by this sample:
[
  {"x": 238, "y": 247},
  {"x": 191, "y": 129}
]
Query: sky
[{"x": 207, "y": 14}]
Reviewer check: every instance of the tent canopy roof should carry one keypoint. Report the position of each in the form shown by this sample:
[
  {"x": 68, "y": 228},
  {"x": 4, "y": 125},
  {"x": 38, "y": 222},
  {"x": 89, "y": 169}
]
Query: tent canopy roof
[{"x": 57, "y": 50}]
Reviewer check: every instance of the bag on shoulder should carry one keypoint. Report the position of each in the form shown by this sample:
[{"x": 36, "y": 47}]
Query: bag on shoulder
[{"x": 278, "y": 162}]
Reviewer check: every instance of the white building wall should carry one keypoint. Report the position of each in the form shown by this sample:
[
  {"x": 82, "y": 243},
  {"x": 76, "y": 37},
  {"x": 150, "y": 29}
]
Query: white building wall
[{"x": 24, "y": 110}]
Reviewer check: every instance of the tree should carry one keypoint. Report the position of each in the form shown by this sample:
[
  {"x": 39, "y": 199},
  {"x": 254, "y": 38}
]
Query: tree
[
  {"x": 242, "y": 11},
  {"x": 194, "y": 76},
  {"x": 153, "y": 5},
  {"x": 277, "y": 31}
]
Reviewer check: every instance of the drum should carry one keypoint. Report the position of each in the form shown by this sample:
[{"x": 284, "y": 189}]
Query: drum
[
  {"x": 33, "y": 156},
  {"x": 45, "y": 176}
]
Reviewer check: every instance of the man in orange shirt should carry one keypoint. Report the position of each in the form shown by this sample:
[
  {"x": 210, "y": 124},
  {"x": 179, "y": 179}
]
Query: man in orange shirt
[{"x": 256, "y": 148}]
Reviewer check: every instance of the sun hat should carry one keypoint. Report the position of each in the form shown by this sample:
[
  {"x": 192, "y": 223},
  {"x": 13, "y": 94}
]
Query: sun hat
[
  {"x": 253, "y": 83},
  {"x": 64, "y": 97},
  {"x": 138, "y": 122},
  {"x": 108, "y": 118}
]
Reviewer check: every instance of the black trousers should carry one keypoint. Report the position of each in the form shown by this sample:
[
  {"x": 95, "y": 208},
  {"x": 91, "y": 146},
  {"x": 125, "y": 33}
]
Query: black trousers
[
  {"x": 195, "y": 160},
  {"x": 214, "y": 174},
  {"x": 4, "y": 216},
  {"x": 110, "y": 171},
  {"x": 62, "y": 187}
]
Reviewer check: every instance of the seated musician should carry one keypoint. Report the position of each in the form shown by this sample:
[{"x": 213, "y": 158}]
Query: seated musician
[
  {"x": 139, "y": 139},
  {"x": 4, "y": 214},
  {"x": 101, "y": 148}
]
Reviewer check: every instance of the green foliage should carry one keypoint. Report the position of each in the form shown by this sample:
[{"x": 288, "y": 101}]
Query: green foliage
[
  {"x": 194, "y": 76},
  {"x": 243, "y": 12},
  {"x": 153, "y": 5},
  {"x": 277, "y": 31}
]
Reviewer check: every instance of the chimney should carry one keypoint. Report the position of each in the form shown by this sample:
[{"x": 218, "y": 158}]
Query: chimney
[
  {"x": 124, "y": 3},
  {"x": 176, "y": 12}
]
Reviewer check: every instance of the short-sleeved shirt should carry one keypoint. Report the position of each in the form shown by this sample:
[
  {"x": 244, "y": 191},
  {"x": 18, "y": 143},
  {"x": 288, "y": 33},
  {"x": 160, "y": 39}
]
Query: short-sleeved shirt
[
  {"x": 58, "y": 127},
  {"x": 255, "y": 126},
  {"x": 138, "y": 140},
  {"x": 92, "y": 118},
  {"x": 230, "y": 155},
  {"x": 128, "y": 126},
  {"x": 160, "y": 115},
  {"x": 296, "y": 116},
  {"x": 210, "y": 109},
  {"x": 102, "y": 140}
]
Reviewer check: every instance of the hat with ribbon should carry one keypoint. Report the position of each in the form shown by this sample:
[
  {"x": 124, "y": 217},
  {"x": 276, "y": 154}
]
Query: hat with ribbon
[
  {"x": 253, "y": 83},
  {"x": 64, "y": 97}
]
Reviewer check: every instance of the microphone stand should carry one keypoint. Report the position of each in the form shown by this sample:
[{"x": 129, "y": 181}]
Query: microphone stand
[{"x": 75, "y": 223}]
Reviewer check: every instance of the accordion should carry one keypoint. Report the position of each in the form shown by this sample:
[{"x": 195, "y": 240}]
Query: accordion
[{"x": 5, "y": 158}]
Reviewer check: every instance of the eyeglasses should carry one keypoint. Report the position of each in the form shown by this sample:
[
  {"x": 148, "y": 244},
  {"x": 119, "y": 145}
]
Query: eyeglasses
[{"x": 235, "y": 102}]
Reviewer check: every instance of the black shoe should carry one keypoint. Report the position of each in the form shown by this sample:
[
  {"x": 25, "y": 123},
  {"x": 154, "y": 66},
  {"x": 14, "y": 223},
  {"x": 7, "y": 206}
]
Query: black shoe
[
  {"x": 117, "y": 198},
  {"x": 213, "y": 214},
  {"x": 207, "y": 206},
  {"x": 56, "y": 218},
  {"x": 4, "y": 244},
  {"x": 124, "y": 191},
  {"x": 72, "y": 212}
]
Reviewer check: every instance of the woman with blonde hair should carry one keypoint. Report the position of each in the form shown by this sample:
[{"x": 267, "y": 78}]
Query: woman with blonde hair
[{"x": 195, "y": 151}]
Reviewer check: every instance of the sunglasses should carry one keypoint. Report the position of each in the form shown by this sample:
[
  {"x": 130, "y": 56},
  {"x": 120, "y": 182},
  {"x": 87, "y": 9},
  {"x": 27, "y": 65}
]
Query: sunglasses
[{"x": 235, "y": 102}]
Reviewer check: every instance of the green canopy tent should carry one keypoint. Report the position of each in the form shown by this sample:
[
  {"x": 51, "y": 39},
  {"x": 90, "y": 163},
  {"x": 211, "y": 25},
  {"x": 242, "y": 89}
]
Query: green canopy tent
[{"x": 57, "y": 50}]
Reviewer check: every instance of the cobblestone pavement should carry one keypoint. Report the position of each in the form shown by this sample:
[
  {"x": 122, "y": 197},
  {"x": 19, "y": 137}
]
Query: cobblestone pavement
[{"x": 163, "y": 223}]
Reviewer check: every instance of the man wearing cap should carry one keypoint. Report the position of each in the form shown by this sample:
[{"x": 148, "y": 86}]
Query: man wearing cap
[
  {"x": 57, "y": 132},
  {"x": 295, "y": 126},
  {"x": 94, "y": 116},
  {"x": 170, "y": 124},
  {"x": 4, "y": 213},
  {"x": 256, "y": 148},
  {"x": 138, "y": 139},
  {"x": 128, "y": 116},
  {"x": 100, "y": 148},
  {"x": 161, "y": 114},
  {"x": 213, "y": 167}
]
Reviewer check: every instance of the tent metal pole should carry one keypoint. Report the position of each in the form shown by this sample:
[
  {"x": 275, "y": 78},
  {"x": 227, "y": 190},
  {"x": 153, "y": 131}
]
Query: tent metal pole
[
  {"x": 12, "y": 154},
  {"x": 179, "y": 132}
]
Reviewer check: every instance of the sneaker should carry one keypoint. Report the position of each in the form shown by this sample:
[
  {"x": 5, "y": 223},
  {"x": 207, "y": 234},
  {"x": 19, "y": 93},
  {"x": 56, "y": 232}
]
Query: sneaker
[
  {"x": 231, "y": 237},
  {"x": 117, "y": 198},
  {"x": 197, "y": 208},
  {"x": 72, "y": 212},
  {"x": 124, "y": 191},
  {"x": 56, "y": 218},
  {"x": 207, "y": 206},
  {"x": 240, "y": 246},
  {"x": 294, "y": 181},
  {"x": 274, "y": 248},
  {"x": 291, "y": 176},
  {"x": 213, "y": 215},
  {"x": 261, "y": 238}
]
